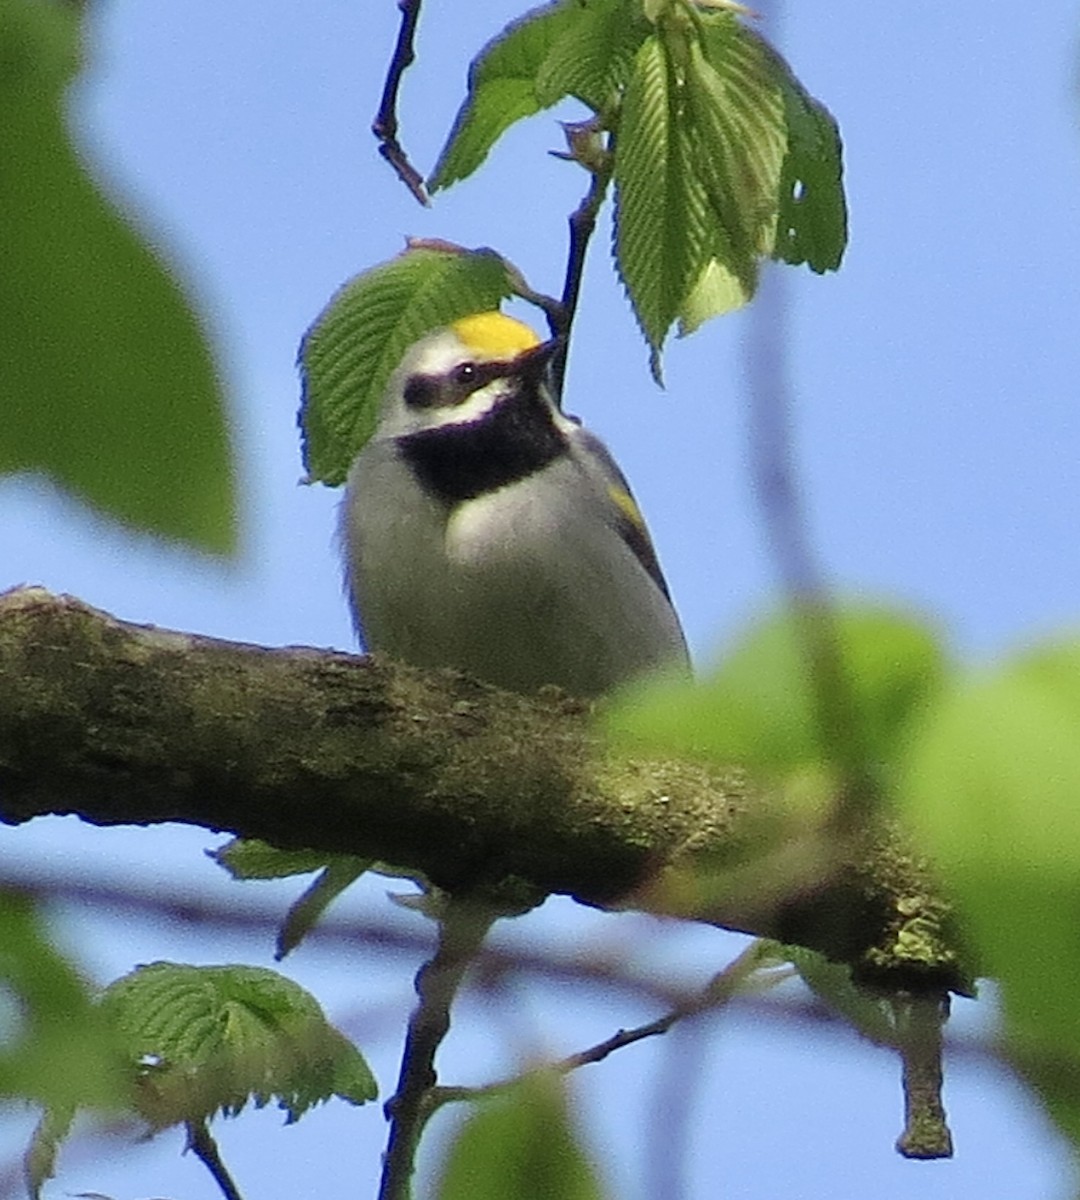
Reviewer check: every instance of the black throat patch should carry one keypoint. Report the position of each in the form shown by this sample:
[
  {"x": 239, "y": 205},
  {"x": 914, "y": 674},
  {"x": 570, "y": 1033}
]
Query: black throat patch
[{"x": 513, "y": 440}]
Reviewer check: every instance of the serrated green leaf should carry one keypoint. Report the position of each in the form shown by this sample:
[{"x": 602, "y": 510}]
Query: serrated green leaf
[
  {"x": 349, "y": 353},
  {"x": 55, "y": 1051},
  {"x": 106, "y": 380},
  {"x": 738, "y": 107},
  {"x": 521, "y": 1145},
  {"x": 758, "y": 708},
  {"x": 591, "y": 57},
  {"x": 664, "y": 234},
  {"x": 812, "y": 224},
  {"x": 699, "y": 152},
  {"x": 992, "y": 786},
  {"x": 501, "y": 89},
  {"x": 209, "y": 1039}
]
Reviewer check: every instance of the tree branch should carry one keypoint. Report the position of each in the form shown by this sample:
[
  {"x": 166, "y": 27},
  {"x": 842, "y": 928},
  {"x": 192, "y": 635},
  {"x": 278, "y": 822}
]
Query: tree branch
[
  {"x": 129, "y": 724},
  {"x": 385, "y": 125},
  {"x": 588, "y": 146},
  {"x": 462, "y": 929}
]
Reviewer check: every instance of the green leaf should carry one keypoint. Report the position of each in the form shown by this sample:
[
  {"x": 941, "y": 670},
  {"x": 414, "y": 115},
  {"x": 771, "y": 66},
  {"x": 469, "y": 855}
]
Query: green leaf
[
  {"x": 502, "y": 88},
  {"x": 521, "y": 1145},
  {"x": 41, "y": 44},
  {"x": 738, "y": 106},
  {"x": 106, "y": 380},
  {"x": 349, "y": 353},
  {"x": 758, "y": 708},
  {"x": 591, "y": 57},
  {"x": 39, "y": 1162},
  {"x": 317, "y": 897},
  {"x": 204, "y": 1039},
  {"x": 251, "y": 858},
  {"x": 718, "y": 290},
  {"x": 812, "y": 224},
  {"x": 992, "y": 784},
  {"x": 664, "y": 235},
  {"x": 737, "y": 113},
  {"x": 53, "y": 1049},
  {"x": 868, "y": 1012}
]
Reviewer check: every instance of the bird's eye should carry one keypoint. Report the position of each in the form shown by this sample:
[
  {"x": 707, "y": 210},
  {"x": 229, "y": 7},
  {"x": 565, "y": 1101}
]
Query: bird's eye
[{"x": 464, "y": 373}]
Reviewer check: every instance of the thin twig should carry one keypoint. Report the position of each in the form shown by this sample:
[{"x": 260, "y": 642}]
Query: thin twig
[
  {"x": 385, "y": 125},
  {"x": 720, "y": 989},
  {"x": 461, "y": 931},
  {"x": 201, "y": 1143},
  {"x": 586, "y": 147}
]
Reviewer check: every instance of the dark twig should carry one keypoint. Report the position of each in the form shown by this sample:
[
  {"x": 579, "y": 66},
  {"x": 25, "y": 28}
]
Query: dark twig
[
  {"x": 461, "y": 931},
  {"x": 385, "y": 125},
  {"x": 202, "y": 1145},
  {"x": 587, "y": 146},
  {"x": 718, "y": 992}
]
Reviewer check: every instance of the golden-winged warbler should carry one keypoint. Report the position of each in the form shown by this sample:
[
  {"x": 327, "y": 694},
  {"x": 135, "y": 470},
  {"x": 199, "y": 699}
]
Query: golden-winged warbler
[{"x": 485, "y": 530}]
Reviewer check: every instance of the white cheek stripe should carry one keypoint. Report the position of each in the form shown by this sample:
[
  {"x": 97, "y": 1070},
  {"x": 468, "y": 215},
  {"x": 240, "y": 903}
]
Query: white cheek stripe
[{"x": 478, "y": 405}]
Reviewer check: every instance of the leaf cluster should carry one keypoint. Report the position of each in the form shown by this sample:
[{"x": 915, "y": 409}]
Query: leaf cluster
[
  {"x": 192, "y": 1042},
  {"x": 720, "y": 159},
  {"x": 720, "y": 156}
]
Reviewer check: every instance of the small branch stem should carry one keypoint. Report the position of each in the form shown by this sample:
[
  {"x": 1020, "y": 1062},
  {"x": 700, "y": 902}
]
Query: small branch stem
[
  {"x": 385, "y": 125},
  {"x": 920, "y": 1021},
  {"x": 582, "y": 222},
  {"x": 201, "y": 1143},
  {"x": 720, "y": 989},
  {"x": 461, "y": 931}
]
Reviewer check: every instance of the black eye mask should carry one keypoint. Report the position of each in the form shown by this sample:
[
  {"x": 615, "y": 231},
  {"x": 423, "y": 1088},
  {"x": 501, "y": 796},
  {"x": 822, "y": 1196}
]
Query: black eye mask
[{"x": 456, "y": 386}]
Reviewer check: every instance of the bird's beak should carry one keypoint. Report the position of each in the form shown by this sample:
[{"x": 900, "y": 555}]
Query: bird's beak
[{"x": 534, "y": 364}]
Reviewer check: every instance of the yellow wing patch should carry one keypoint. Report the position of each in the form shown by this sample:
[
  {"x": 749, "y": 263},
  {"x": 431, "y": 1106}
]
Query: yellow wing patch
[
  {"x": 635, "y": 534},
  {"x": 493, "y": 336},
  {"x": 627, "y": 506}
]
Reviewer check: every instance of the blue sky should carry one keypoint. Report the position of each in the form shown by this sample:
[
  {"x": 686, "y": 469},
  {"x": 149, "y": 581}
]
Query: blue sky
[{"x": 937, "y": 429}]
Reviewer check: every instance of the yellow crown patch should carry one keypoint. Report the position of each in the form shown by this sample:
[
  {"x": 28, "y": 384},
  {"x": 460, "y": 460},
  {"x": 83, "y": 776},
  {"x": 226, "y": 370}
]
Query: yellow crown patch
[{"x": 492, "y": 336}]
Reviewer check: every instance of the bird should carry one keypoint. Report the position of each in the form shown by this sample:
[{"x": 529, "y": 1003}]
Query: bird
[{"x": 486, "y": 531}]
